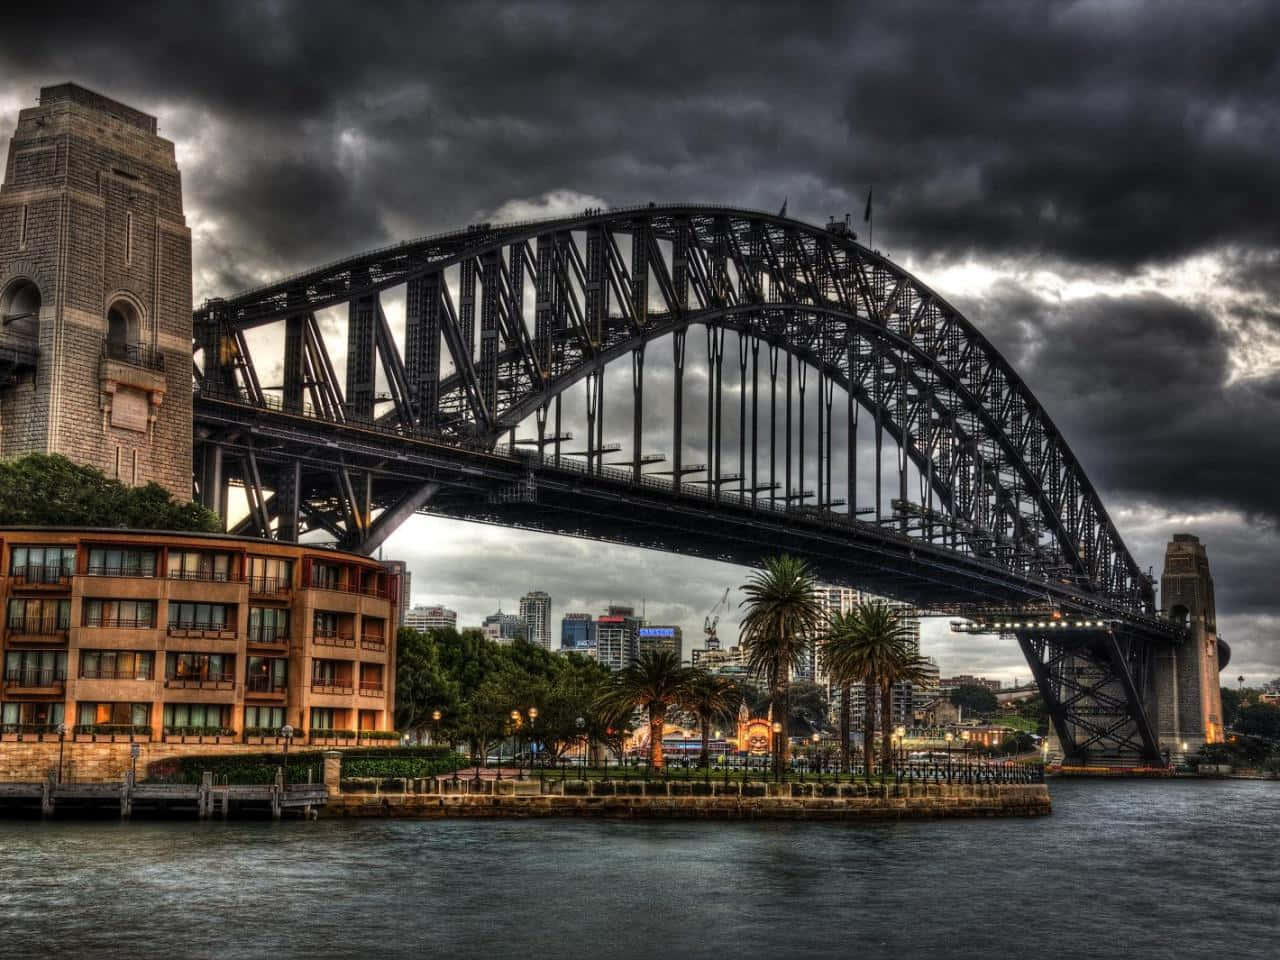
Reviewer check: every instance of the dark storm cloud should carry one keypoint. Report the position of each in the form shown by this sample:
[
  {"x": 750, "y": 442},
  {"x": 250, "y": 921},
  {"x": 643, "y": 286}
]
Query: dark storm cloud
[{"x": 1102, "y": 133}]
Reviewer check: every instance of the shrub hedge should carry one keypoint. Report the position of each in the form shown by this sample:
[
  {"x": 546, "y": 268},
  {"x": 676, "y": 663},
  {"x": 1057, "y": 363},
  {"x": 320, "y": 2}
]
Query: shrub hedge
[{"x": 251, "y": 768}]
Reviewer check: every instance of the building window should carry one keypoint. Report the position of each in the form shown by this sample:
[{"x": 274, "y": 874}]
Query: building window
[
  {"x": 322, "y": 718},
  {"x": 325, "y": 624},
  {"x": 121, "y": 562},
  {"x": 35, "y": 668},
  {"x": 45, "y": 716},
  {"x": 116, "y": 664},
  {"x": 325, "y": 576},
  {"x": 122, "y": 614},
  {"x": 93, "y": 715},
  {"x": 199, "y": 565},
  {"x": 267, "y": 674},
  {"x": 268, "y": 624},
  {"x": 200, "y": 667},
  {"x": 267, "y": 721},
  {"x": 128, "y": 238},
  {"x": 38, "y": 615},
  {"x": 270, "y": 574},
  {"x": 41, "y": 564},
  {"x": 205, "y": 718},
  {"x": 199, "y": 616}
]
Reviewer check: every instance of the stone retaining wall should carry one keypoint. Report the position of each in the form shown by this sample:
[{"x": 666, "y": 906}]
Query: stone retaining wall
[
  {"x": 677, "y": 799},
  {"x": 31, "y": 760}
]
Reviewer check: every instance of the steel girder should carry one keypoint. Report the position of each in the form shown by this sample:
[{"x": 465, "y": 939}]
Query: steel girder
[
  {"x": 998, "y": 482},
  {"x": 1095, "y": 685}
]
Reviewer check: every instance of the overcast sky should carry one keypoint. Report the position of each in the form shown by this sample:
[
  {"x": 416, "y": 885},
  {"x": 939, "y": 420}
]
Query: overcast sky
[{"x": 1095, "y": 185}]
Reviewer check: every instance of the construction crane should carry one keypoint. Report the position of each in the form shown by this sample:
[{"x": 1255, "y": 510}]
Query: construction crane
[{"x": 713, "y": 619}]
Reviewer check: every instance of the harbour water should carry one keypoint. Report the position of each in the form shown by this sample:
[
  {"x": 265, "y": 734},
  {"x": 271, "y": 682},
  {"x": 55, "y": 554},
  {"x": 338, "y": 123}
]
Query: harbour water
[{"x": 1133, "y": 869}]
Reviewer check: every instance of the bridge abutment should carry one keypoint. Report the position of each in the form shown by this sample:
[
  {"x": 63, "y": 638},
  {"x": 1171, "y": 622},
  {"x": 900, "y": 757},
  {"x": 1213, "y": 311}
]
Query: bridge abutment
[{"x": 1186, "y": 699}]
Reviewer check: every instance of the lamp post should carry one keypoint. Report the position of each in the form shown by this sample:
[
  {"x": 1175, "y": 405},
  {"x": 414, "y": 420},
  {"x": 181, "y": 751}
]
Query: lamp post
[
  {"x": 580, "y": 724},
  {"x": 900, "y": 733},
  {"x": 515, "y": 744},
  {"x": 435, "y": 726},
  {"x": 62, "y": 735},
  {"x": 815, "y": 739},
  {"x": 777, "y": 751},
  {"x": 533, "y": 719},
  {"x": 287, "y": 732}
]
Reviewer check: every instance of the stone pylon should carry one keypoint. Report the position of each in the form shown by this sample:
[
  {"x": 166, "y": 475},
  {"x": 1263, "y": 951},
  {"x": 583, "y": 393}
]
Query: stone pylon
[
  {"x": 95, "y": 292},
  {"x": 1187, "y": 707}
]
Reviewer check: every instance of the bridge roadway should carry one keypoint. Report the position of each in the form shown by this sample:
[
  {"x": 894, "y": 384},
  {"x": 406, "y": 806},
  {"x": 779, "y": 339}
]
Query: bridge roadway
[{"x": 514, "y": 487}]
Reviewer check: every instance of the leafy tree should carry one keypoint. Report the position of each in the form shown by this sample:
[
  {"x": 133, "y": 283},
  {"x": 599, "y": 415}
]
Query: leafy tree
[
  {"x": 974, "y": 699},
  {"x": 710, "y": 699},
  {"x": 654, "y": 683},
  {"x": 782, "y": 611},
  {"x": 423, "y": 685},
  {"x": 1259, "y": 720},
  {"x": 49, "y": 490},
  {"x": 1034, "y": 709}
]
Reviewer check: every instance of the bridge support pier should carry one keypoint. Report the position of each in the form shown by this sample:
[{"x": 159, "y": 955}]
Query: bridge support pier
[{"x": 1186, "y": 699}]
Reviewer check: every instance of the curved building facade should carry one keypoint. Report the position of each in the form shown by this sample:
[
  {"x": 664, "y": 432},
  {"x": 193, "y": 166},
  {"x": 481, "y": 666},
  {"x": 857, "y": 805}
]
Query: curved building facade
[{"x": 181, "y": 637}]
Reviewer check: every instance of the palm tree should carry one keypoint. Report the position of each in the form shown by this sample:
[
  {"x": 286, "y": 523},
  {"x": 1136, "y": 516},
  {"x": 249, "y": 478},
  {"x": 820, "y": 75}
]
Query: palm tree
[
  {"x": 783, "y": 612},
  {"x": 841, "y": 658},
  {"x": 710, "y": 698},
  {"x": 874, "y": 652},
  {"x": 654, "y": 682},
  {"x": 906, "y": 668}
]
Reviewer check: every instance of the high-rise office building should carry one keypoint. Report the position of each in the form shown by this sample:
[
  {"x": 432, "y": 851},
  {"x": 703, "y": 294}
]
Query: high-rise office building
[
  {"x": 655, "y": 637},
  {"x": 616, "y": 641},
  {"x": 578, "y": 633},
  {"x": 431, "y": 618},
  {"x": 535, "y": 611}
]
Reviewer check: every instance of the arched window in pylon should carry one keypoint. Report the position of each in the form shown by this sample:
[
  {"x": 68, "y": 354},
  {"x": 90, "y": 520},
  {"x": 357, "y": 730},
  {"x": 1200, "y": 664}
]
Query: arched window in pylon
[
  {"x": 124, "y": 327},
  {"x": 20, "y": 308}
]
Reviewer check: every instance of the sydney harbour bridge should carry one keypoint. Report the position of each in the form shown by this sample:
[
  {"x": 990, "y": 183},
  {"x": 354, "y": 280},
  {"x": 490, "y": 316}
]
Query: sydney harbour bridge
[{"x": 839, "y": 409}]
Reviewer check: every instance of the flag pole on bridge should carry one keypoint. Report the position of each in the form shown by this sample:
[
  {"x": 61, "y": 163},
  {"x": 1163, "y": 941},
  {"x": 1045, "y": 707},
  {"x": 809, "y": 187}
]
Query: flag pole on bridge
[{"x": 869, "y": 219}]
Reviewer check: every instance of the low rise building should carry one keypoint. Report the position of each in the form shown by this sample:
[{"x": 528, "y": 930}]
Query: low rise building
[
  {"x": 163, "y": 636},
  {"x": 431, "y": 618}
]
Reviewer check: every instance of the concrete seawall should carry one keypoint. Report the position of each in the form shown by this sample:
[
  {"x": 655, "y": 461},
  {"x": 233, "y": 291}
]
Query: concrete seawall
[{"x": 699, "y": 801}]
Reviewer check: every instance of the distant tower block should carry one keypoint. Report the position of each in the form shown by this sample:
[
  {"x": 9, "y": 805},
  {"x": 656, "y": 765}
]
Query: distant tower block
[
  {"x": 1188, "y": 701},
  {"x": 95, "y": 292}
]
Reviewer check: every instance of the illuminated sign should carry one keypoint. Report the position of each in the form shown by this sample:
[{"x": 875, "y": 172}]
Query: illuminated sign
[{"x": 656, "y": 632}]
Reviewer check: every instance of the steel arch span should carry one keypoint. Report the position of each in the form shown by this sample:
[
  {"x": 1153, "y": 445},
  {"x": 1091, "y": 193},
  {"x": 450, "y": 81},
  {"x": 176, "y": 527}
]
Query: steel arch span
[{"x": 836, "y": 406}]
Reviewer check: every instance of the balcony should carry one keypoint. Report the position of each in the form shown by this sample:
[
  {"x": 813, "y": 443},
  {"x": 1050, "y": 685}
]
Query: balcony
[
  {"x": 337, "y": 586},
  {"x": 201, "y": 631},
  {"x": 333, "y": 638},
  {"x": 105, "y": 570},
  {"x": 374, "y": 642},
  {"x": 334, "y": 686},
  {"x": 35, "y": 680},
  {"x": 372, "y": 688},
  {"x": 272, "y": 587},
  {"x": 111, "y": 732},
  {"x": 332, "y": 737},
  {"x": 121, "y": 623},
  {"x": 33, "y": 577},
  {"x": 35, "y": 732},
  {"x": 134, "y": 354},
  {"x": 201, "y": 576},
  {"x": 260, "y": 686},
  {"x": 278, "y": 639},
  {"x": 114, "y": 674},
  {"x": 37, "y": 630},
  {"x": 214, "y": 681},
  {"x": 198, "y": 735}
]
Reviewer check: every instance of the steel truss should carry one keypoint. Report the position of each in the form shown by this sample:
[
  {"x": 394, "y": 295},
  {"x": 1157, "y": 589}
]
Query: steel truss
[
  {"x": 501, "y": 322},
  {"x": 1096, "y": 685}
]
